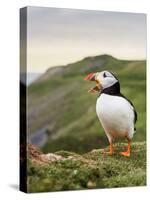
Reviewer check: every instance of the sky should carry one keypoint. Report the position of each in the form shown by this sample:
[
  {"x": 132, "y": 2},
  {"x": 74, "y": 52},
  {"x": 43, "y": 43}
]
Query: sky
[{"x": 57, "y": 36}]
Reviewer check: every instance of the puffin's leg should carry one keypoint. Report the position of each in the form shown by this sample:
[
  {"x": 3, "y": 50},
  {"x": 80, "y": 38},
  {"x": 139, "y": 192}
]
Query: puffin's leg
[
  {"x": 127, "y": 153},
  {"x": 110, "y": 152},
  {"x": 110, "y": 148}
]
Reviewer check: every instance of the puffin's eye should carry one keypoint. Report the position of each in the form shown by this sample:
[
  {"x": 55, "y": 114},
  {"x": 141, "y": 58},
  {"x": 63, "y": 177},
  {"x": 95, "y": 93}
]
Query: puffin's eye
[{"x": 104, "y": 75}]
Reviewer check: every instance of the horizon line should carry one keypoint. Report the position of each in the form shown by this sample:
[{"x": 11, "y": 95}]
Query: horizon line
[{"x": 73, "y": 62}]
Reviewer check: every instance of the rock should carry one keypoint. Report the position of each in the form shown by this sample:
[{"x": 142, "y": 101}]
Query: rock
[
  {"x": 90, "y": 184},
  {"x": 37, "y": 157},
  {"x": 51, "y": 157},
  {"x": 33, "y": 151}
]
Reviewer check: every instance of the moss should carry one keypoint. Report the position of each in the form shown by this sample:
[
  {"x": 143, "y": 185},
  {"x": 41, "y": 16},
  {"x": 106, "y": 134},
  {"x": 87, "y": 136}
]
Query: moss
[
  {"x": 90, "y": 170},
  {"x": 64, "y": 175}
]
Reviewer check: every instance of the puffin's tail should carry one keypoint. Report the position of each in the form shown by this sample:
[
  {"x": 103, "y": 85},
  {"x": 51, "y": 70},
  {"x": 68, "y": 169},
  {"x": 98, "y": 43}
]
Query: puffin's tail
[{"x": 134, "y": 129}]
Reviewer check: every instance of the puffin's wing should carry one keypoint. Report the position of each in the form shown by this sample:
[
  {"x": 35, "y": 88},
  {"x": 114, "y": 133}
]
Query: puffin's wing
[{"x": 132, "y": 107}]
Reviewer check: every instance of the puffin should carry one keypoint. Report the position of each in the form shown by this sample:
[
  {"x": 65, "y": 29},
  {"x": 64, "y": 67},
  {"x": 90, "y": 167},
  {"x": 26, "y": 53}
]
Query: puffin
[{"x": 115, "y": 112}]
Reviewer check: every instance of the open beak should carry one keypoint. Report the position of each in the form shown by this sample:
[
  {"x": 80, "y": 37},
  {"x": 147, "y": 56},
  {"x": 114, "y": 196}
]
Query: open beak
[{"x": 91, "y": 77}]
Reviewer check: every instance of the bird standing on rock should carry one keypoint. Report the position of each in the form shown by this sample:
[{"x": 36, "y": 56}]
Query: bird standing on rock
[{"x": 116, "y": 113}]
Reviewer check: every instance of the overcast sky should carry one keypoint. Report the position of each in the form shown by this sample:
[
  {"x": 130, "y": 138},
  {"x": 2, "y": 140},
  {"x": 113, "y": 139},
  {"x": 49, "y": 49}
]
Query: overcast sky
[{"x": 60, "y": 36}]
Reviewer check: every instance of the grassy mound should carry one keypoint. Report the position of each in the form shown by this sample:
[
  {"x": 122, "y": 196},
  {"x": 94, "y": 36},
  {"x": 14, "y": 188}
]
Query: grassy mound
[{"x": 94, "y": 169}]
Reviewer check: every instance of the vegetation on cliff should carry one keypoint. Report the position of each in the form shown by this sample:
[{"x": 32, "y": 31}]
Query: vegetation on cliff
[{"x": 64, "y": 170}]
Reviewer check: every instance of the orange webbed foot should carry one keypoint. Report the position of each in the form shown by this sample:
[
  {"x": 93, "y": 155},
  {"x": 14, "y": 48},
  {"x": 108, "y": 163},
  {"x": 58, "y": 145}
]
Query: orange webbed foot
[{"x": 126, "y": 153}]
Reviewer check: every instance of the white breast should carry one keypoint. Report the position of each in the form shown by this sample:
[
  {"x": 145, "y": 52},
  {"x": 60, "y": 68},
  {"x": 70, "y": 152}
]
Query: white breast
[{"x": 116, "y": 115}]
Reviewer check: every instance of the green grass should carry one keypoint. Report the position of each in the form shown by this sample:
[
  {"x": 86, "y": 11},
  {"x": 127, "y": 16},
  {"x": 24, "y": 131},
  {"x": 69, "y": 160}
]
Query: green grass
[{"x": 90, "y": 170}]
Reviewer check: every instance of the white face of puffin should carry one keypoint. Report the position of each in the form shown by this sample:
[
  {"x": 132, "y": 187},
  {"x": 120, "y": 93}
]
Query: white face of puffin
[{"x": 103, "y": 80}]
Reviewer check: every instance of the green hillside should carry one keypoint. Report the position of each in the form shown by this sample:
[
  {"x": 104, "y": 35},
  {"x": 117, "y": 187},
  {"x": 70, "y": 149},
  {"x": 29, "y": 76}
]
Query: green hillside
[{"x": 59, "y": 102}]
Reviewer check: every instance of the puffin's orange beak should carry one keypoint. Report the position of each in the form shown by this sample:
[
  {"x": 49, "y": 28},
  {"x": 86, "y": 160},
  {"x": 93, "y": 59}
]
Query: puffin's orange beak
[{"x": 91, "y": 77}]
